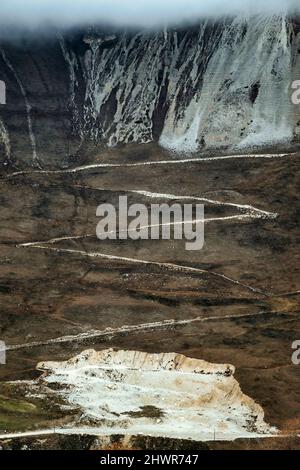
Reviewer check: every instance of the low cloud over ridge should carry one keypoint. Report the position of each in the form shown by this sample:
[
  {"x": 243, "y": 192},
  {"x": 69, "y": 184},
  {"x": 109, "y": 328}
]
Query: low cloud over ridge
[{"x": 33, "y": 14}]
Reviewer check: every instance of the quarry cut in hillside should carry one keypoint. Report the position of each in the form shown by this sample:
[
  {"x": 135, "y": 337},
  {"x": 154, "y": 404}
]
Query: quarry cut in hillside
[{"x": 163, "y": 395}]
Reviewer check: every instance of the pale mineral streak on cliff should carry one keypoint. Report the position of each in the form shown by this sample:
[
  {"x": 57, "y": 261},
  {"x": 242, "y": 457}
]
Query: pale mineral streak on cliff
[
  {"x": 235, "y": 102},
  {"x": 4, "y": 138},
  {"x": 28, "y": 107},
  {"x": 219, "y": 85},
  {"x": 191, "y": 89}
]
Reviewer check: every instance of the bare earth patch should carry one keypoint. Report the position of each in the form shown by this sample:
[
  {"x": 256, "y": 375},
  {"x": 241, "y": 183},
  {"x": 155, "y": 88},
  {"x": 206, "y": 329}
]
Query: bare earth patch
[{"x": 163, "y": 395}]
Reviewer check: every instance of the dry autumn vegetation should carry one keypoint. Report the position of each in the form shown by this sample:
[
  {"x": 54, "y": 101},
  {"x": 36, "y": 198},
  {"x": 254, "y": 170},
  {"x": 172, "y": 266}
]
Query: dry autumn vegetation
[{"x": 90, "y": 117}]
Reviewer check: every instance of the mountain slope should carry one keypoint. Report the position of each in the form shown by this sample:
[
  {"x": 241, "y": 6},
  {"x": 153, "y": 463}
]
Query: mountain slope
[{"x": 214, "y": 86}]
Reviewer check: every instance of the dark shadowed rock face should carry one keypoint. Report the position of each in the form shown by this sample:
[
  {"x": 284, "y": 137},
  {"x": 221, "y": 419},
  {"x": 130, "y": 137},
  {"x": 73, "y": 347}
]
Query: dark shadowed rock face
[{"x": 215, "y": 86}]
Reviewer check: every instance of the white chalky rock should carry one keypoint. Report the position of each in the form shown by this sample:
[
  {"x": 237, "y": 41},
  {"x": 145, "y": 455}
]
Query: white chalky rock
[{"x": 164, "y": 394}]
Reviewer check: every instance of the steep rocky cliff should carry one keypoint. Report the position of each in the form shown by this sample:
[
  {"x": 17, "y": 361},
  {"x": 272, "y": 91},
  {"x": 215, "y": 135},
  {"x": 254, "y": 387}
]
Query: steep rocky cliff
[{"x": 214, "y": 86}]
